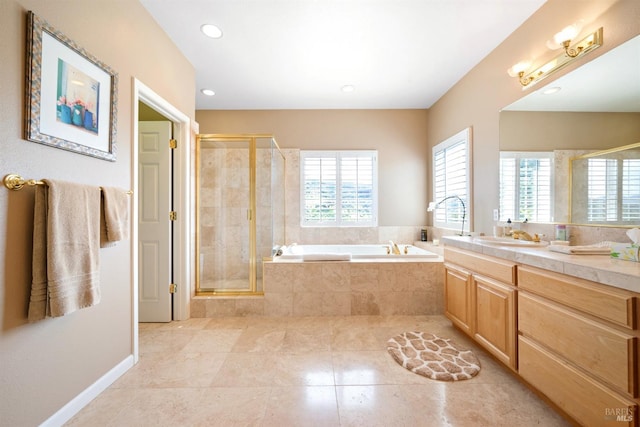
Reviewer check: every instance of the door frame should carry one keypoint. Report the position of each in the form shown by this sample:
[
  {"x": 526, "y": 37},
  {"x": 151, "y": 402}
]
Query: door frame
[{"x": 181, "y": 193}]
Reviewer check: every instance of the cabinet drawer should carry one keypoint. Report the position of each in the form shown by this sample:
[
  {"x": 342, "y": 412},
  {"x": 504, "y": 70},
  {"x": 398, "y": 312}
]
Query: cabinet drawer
[
  {"x": 588, "y": 402},
  {"x": 615, "y": 305},
  {"x": 602, "y": 351},
  {"x": 502, "y": 270}
]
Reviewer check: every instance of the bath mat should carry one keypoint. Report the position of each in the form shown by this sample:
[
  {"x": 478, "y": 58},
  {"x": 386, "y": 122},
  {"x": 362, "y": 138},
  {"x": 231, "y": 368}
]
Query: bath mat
[{"x": 433, "y": 357}]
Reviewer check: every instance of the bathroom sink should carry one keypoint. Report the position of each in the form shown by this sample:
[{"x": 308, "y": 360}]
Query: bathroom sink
[{"x": 508, "y": 241}]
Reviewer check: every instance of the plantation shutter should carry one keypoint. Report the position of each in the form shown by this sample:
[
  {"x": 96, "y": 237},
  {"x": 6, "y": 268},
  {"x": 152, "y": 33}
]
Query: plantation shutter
[
  {"x": 339, "y": 188},
  {"x": 613, "y": 190},
  {"x": 451, "y": 171},
  {"x": 526, "y": 186}
]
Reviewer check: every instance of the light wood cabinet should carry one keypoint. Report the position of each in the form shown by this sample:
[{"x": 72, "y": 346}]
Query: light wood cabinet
[
  {"x": 457, "y": 296},
  {"x": 579, "y": 345},
  {"x": 480, "y": 299},
  {"x": 618, "y": 306},
  {"x": 586, "y": 400},
  {"x": 495, "y": 318},
  {"x": 576, "y": 341}
]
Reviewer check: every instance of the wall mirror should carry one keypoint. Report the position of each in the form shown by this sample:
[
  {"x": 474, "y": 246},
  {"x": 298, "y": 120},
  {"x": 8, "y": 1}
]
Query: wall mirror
[
  {"x": 594, "y": 108},
  {"x": 605, "y": 187}
]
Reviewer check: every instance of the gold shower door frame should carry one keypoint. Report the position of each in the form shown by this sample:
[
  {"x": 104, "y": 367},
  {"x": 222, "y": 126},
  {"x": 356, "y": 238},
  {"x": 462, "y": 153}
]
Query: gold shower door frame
[{"x": 251, "y": 212}]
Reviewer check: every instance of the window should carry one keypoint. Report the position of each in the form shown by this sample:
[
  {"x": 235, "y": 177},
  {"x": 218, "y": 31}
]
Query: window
[
  {"x": 451, "y": 177},
  {"x": 613, "y": 190},
  {"x": 339, "y": 188},
  {"x": 526, "y": 186}
]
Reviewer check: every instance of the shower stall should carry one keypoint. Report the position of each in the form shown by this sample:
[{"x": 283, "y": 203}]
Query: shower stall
[{"x": 240, "y": 211}]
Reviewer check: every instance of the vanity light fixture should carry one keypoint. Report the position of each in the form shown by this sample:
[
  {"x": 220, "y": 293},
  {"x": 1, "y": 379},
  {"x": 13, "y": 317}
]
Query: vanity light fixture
[{"x": 571, "y": 53}]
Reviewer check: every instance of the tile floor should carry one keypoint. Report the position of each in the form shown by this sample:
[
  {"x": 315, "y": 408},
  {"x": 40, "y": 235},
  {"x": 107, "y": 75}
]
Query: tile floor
[{"x": 304, "y": 371}]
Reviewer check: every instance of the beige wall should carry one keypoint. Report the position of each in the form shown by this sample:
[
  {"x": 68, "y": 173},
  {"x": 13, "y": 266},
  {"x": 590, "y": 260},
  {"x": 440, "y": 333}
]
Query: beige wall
[
  {"x": 46, "y": 364},
  {"x": 548, "y": 131},
  {"x": 398, "y": 135},
  {"x": 476, "y": 100}
]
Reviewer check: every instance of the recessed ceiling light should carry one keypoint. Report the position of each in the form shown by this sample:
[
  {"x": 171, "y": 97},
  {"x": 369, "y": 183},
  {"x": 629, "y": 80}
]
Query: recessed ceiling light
[
  {"x": 551, "y": 90},
  {"x": 348, "y": 88},
  {"x": 207, "y": 92},
  {"x": 211, "y": 30}
]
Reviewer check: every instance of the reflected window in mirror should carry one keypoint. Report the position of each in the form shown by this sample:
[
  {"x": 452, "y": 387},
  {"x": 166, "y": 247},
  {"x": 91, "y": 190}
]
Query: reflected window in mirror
[
  {"x": 526, "y": 186},
  {"x": 451, "y": 177},
  {"x": 613, "y": 190}
]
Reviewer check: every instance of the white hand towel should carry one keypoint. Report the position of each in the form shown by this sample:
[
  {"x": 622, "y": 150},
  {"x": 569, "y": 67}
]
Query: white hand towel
[{"x": 66, "y": 267}]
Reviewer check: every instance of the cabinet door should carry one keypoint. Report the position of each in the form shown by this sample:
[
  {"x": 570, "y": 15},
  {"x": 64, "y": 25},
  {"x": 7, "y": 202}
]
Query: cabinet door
[
  {"x": 495, "y": 318},
  {"x": 457, "y": 297}
]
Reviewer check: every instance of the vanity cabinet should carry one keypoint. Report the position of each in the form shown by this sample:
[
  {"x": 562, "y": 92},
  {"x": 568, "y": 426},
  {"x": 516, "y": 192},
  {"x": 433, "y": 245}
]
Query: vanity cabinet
[
  {"x": 578, "y": 344},
  {"x": 480, "y": 299},
  {"x": 457, "y": 296}
]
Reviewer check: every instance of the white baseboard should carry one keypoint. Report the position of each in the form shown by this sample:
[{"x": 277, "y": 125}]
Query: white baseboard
[{"x": 80, "y": 401}]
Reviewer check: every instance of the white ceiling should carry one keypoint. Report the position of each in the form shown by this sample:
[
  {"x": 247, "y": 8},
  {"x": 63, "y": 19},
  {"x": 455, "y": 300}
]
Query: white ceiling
[
  {"x": 297, "y": 54},
  {"x": 609, "y": 83}
]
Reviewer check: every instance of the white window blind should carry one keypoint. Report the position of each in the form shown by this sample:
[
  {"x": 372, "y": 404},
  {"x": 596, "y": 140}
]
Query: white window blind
[
  {"x": 613, "y": 190},
  {"x": 526, "y": 186},
  {"x": 631, "y": 190},
  {"x": 339, "y": 188},
  {"x": 451, "y": 177}
]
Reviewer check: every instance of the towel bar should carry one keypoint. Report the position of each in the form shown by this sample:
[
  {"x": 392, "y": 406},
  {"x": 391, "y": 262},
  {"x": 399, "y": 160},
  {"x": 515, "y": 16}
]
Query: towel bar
[{"x": 16, "y": 182}]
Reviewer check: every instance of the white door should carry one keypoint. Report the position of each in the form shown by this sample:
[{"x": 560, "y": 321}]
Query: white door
[{"x": 154, "y": 225}]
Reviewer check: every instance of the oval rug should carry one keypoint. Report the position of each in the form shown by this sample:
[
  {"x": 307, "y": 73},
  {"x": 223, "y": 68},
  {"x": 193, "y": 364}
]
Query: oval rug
[{"x": 433, "y": 357}]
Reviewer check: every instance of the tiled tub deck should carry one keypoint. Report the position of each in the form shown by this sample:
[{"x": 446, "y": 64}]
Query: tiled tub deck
[{"x": 335, "y": 288}]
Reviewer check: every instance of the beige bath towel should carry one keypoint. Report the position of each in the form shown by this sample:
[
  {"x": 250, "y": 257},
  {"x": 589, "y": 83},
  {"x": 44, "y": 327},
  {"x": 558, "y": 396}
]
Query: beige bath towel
[
  {"x": 66, "y": 240},
  {"x": 39, "y": 298},
  {"x": 115, "y": 208}
]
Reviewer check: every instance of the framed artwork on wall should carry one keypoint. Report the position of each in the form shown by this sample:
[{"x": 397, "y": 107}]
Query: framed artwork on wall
[{"x": 71, "y": 98}]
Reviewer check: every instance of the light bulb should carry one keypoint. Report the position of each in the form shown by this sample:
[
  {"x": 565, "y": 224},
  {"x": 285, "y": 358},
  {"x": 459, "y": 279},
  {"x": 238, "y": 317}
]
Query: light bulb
[
  {"x": 568, "y": 33},
  {"x": 518, "y": 68}
]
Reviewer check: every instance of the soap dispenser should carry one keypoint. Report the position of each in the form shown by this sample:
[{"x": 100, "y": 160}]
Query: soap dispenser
[{"x": 507, "y": 229}]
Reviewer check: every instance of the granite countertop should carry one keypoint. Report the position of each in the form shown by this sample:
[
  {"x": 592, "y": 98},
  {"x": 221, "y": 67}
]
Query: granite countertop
[{"x": 598, "y": 268}]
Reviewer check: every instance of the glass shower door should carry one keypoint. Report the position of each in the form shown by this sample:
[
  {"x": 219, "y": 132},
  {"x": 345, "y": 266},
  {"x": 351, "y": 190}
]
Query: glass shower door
[
  {"x": 224, "y": 215},
  {"x": 240, "y": 212}
]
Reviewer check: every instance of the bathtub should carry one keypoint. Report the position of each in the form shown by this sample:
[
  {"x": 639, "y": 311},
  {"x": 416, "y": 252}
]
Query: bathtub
[
  {"x": 372, "y": 283},
  {"x": 346, "y": 252}
]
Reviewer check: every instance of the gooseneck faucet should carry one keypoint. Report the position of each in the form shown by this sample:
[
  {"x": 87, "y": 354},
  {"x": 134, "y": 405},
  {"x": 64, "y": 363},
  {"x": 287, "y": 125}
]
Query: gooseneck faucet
[{"x": 433, "y": 206}]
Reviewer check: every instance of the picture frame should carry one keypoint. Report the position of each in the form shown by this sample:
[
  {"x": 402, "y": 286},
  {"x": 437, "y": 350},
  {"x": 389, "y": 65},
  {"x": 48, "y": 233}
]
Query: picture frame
[{"x": 71, "y": 96}]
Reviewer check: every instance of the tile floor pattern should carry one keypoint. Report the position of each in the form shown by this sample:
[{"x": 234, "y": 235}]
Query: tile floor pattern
[{"x": 304, "y": 371}]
